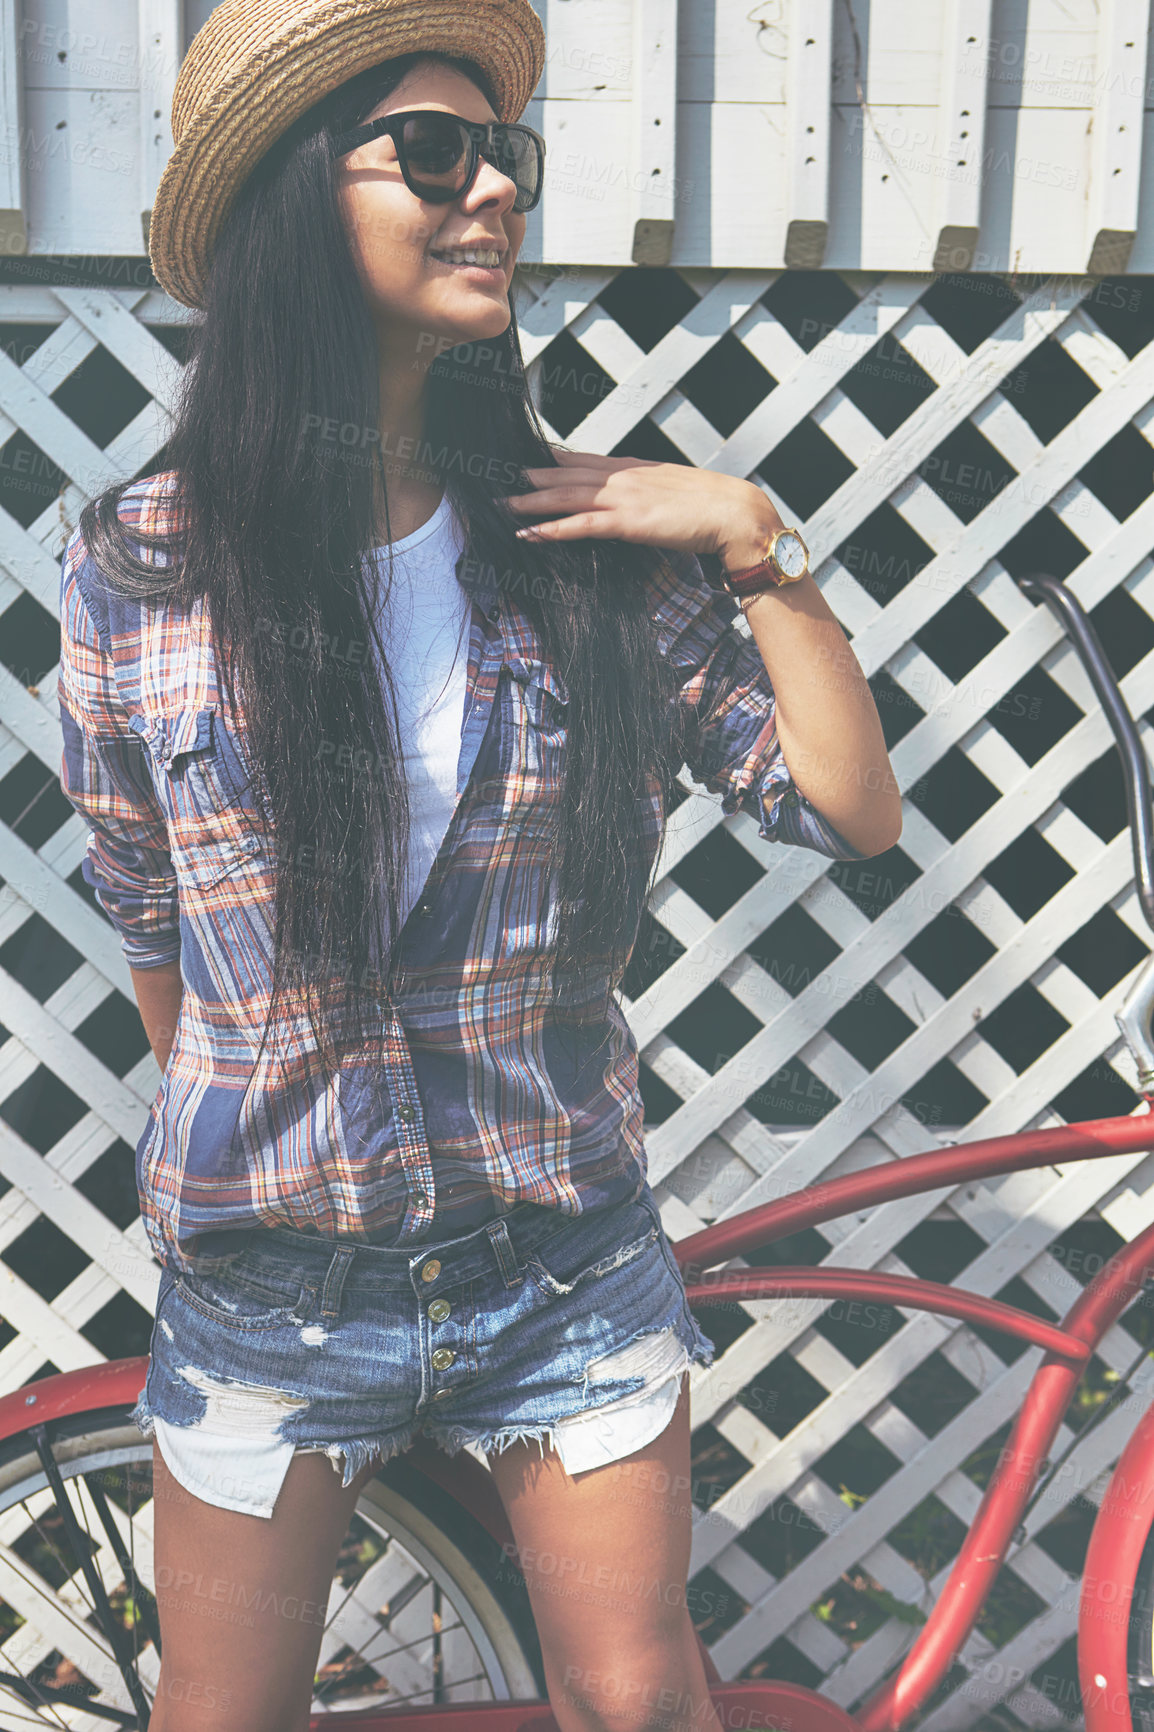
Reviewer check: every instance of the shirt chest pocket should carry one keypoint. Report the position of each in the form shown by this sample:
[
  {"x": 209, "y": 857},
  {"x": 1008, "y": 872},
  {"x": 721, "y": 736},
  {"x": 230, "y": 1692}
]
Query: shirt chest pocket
[
  {"x": 205, "y": 789},
  {"x": 534, "y": 737},
  {"x": 540, "y": 720},
  {"x": 545, "y": 696}
]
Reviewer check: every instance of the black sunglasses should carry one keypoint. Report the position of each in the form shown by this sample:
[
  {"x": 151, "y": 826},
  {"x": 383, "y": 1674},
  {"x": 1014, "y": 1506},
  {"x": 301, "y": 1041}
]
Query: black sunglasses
[{"x": 439, "y": 153}]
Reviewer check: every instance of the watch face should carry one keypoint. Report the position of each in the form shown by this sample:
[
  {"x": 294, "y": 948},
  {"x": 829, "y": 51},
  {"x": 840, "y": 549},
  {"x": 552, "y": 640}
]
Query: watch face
[{"x": 789, "y": 553}]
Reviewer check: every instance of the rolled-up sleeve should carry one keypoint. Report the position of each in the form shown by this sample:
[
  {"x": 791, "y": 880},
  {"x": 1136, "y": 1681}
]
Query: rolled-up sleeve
[
  {"x": 105, "y": 779},
  {"x": 732, "y": 744}
]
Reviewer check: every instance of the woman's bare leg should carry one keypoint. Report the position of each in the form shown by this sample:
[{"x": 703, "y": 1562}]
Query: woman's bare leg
[
  {"x": 243, "y": 1598},
  {"x": 605, "y": 1558}
]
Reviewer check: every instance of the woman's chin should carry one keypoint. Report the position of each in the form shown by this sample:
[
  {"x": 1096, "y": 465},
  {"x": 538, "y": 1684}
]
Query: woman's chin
[{"x": 478, "y": 316}]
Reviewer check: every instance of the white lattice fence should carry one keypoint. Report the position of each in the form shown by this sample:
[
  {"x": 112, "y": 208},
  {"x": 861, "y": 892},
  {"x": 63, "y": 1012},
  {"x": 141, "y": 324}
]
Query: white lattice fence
[{"x": 795, "y": 1018}]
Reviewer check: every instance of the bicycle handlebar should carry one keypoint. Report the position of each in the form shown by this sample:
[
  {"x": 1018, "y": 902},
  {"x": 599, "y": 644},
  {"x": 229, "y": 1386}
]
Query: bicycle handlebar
[
  {"x": 1134, "y": 1017},
  {"x": 1135, "y": 771}
]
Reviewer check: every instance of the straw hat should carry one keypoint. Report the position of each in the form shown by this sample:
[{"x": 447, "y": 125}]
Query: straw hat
[{"x": 257, "y": 65}]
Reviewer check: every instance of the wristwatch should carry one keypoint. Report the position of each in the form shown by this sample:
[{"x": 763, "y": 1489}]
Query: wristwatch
[{"x": 786, "y": 560}]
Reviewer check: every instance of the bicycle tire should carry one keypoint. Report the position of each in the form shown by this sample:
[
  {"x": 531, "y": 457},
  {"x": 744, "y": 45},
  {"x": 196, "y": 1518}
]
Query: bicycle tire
[
  {"x": 420, "y": 1530},
  {"x": 1140, "y": 1640}
]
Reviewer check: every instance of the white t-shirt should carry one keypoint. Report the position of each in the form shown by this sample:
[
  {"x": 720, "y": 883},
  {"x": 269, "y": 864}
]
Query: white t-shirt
[{"x": 424, "y": 625}]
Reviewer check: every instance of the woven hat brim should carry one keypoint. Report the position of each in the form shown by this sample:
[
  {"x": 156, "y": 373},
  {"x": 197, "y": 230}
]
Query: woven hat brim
[{"x": 226, "y": 138}]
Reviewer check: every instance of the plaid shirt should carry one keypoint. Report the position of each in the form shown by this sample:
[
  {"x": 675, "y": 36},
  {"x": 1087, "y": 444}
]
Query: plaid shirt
[{"x": 484, "y": 1100}]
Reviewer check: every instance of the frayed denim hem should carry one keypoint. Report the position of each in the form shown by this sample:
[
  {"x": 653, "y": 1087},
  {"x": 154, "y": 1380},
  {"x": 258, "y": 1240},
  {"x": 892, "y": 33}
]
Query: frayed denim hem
[
  {"x": 703, "y": 1349},
  {"x": 494, "y": 1441},
  {"x": 359, "y": 1451},
  {"x": 141, "y": 1417}
]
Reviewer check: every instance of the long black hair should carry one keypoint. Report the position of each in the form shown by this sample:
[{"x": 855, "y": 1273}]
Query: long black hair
[{"x": 270, "y": 523}]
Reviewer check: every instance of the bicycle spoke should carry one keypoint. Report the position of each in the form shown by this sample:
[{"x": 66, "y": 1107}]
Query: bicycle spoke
[
  {"x": 407, "y": 1673},
  {"x": 112, "y": 1629},
  {"x": 29, "y": 1694},
  {"x": 389, "y": 1699},
  {"x": 391, "y": 1696},
  {"x": 402, "y": 1626},
  {"x": 438, "y": 1645},
  {"x": 72, "y": 1602},
  {"x": 71, "y": 1594},
  {"x": 57, "y": 1624},
  {"x": 391, "y": 1582},
  {"x": 68, "y": 1567},
  {"x": 405, "y": 1647},
  {"x": 368, "y": 1650},
  {"x": 47, "y": 1695},
  {"x": 143, "y": 1610}
]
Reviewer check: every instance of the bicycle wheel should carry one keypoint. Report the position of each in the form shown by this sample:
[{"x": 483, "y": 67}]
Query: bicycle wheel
[
  {"x": 424, "y": 1606},
  {"x": 1140, "y": 1641}
]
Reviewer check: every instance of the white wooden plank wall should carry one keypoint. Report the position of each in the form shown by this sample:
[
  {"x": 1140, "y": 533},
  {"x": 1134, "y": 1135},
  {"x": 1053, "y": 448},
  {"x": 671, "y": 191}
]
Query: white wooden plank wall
[{"x": 861, "y": 134}]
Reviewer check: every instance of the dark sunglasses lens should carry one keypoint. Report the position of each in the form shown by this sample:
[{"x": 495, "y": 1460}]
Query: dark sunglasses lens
[
  {"x": 437, "y": 155},
  {"x": 436, "y": 151},
  {"x": 519, "y": 160}
]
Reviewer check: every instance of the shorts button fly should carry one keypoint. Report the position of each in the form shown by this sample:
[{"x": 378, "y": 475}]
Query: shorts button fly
[
  {"x": 431, "y": 1270},
  {"x": 443, "y": 1358},
  {"x": 439, "y": 1310}
]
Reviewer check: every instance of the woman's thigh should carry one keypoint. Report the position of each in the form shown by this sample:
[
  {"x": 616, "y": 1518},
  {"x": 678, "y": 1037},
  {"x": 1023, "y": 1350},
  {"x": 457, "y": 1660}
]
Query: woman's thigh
[
  {"x": 242, "y": 1599},
  {"x": 605, "y": 1557}
]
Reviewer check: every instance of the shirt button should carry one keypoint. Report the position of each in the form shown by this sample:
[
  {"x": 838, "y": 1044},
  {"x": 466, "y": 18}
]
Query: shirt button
[
  {"x": 431, "y": 1269},
  {"x": 439, "y": 1310},
  {"x": 424, "y": 908},
  {"x": 419, "y": 1199},
  {"x": 405, "y": 1111},
  {"x": 442, "y": 1358}
]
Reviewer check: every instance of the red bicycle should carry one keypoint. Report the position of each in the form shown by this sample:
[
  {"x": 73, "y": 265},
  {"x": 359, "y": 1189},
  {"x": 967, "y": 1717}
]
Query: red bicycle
[{"x": 429, "y": 1627}]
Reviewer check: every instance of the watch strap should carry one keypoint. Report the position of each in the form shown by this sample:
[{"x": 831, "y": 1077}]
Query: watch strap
[
  {"x": 751, "y": 579},
  {"x": 766, "y": 574}
]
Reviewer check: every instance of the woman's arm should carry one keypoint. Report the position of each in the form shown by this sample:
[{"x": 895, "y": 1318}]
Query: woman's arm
[
  {"x": 158, "y": 992},
  {"x": 827, "y": 722},
  {"x": 104, "y": 776}
]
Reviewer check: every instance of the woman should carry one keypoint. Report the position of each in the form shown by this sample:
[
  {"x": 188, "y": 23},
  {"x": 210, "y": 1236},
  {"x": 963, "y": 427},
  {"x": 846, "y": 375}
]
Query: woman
[{"x": 319, "y": 688}]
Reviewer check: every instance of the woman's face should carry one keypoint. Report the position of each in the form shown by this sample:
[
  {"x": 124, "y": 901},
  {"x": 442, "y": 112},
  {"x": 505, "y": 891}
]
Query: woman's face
[{"x": 395, "y": 236}]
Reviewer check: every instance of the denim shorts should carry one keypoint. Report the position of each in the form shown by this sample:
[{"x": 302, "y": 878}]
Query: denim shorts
[{"x": 510, "y": 1331}]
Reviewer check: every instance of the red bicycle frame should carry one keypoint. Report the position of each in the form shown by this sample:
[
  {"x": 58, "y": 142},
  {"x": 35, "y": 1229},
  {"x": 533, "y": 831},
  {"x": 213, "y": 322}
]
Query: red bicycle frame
[
  {"x": 1102, "y": 1646},
  {"x": 1118, "y": 1533}
]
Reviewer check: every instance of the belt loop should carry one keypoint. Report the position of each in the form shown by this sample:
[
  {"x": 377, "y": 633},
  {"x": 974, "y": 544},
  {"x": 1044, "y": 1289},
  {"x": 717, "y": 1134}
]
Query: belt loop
[
  {"x": 506, "y": 1258},
  {"x": 335, "y": 1279}
]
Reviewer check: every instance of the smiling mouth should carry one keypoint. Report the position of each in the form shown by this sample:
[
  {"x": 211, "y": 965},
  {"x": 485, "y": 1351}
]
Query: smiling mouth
[{"x": 470, "y": 264}]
